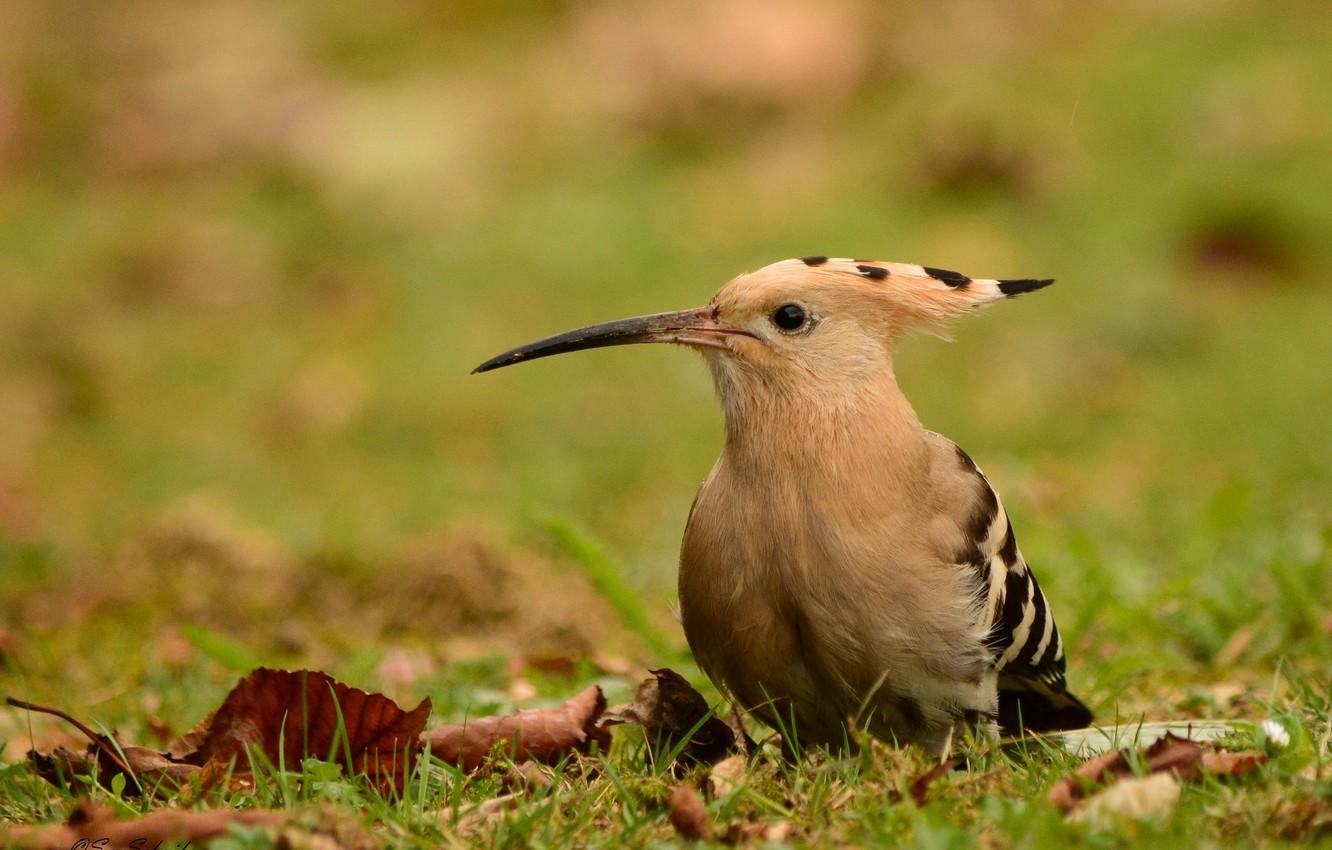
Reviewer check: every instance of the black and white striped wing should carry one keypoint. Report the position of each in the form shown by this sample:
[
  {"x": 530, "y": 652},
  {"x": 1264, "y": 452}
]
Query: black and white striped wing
[{"x": 1024, "y": 640}]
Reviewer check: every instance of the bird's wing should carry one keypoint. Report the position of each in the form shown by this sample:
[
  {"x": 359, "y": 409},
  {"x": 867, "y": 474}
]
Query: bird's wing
[{"x": 1024, "y": 640}]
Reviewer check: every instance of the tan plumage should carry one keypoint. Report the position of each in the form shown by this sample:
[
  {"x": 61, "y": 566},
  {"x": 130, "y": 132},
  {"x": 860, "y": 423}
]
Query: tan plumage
[{"x": 842, "y": 564}]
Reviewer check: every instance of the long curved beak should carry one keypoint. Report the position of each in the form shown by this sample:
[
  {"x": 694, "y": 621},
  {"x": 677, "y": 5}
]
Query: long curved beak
[{"x": 698, "y": 327}]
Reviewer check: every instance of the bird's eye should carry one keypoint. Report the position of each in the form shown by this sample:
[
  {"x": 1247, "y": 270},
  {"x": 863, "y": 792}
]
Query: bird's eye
[{"x": 790, "y": 317}]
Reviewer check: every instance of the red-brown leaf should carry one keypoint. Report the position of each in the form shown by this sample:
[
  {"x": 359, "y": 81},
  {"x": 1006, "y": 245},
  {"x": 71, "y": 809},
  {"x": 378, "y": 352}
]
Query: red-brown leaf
[
  {"x": 1222, "y": 763},
  {"x": 688, "y": 814},
  {"x": 291, "y": 715},
  {"x": 1171, "y": 754},
  {"x": 920, "y": 786},
  {"x": 539, "y": 734},
  {"x": 104, "y": 759}
]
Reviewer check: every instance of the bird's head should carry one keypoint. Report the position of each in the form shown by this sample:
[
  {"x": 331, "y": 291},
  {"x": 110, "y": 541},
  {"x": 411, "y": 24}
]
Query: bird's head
[{"x": 808, "y": 323}]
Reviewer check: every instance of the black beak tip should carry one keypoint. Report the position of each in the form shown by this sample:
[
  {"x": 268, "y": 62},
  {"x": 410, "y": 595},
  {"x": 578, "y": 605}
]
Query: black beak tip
[{"x": 495, "y": 363}]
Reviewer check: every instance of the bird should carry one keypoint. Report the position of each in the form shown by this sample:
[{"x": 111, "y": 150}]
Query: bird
[{"x": 843, "y": 567}]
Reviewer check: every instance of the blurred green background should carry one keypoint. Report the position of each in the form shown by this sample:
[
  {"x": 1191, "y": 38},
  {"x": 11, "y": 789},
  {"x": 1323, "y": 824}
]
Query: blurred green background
[{"x": 249, "y": 253}]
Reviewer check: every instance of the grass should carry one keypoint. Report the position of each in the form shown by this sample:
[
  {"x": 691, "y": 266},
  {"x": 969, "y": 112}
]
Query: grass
[{"x": 250, "y": 257}]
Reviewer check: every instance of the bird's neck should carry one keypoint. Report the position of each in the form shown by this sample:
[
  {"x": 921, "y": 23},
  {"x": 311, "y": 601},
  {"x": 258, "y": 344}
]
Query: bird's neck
[{"x": 825, "y": 433}]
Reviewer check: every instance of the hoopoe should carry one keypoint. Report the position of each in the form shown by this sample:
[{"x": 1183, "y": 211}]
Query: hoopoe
[{"x": 843, "y": 566}]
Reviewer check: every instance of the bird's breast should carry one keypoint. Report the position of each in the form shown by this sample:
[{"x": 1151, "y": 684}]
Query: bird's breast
[
  {"x": 764, "y": 591},
  {"x": 816, "y": 593}
]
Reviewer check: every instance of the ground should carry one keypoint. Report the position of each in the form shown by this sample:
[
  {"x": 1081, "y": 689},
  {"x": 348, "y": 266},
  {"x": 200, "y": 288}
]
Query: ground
[{"x": 250, "y": 256}]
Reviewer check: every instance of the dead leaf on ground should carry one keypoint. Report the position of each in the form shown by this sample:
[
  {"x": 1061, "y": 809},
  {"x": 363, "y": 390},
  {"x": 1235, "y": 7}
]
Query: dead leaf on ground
[
  {"x": 727, "y": 774},
  {"x": 754, "y": 828},
  {"x": 1172, "y": 755},
  {"x": 526, "y": 775},
  {"x": 1169, "y": 753},
  {"x": 1146, "y": 798},
  {"x": 688, "y": 814},
  {"x": 1223, "y": 763},
  {"x": 919, "y": 789},
  {"x": 671, "y": 711},
  {"x": 482, "y": 815},
  {"x": 540, "y": 734},
  {"x": 289, "y": 716},
  {"x": 106, "y": 758},
  {"x": 90, "y": 823},
  {"x": 284, "y": 715}
]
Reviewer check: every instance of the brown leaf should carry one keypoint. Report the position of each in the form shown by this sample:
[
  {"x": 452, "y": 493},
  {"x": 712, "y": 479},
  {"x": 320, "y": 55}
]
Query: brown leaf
[
  {"x": 920, "y": 786},
  {"x": 284, "y": 715},
  {"x": 1068, "y": 791},
  {"x": 688, "y": 814},
  {"x": 483, "y": 815},
  {"x": 1147, "y": 798},
  {"x": 187, "y": 746},
  {"x": 525, "y": 775},
  {"x": 752, "y": 828},
  {"x": 105, "y": 759},
  {"x": 156, "y": 769},
  {"x": 727, "y": 774},
  {"x": 540, "y": 734},
  {"x": 291, "y": 715},
  {"x": 60, "y": 767},
  {"x": 1176, "y": 755},
  {"x": 89, "y": 823},
  {"x": 670, "y": 711},
  {"x": 1222, "y": 763},
  {"x": 1181, "y": 757}
]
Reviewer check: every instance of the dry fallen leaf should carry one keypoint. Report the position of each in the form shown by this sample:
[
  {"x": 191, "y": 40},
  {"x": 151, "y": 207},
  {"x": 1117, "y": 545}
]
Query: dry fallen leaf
[
  {"x": 106, "y": 758},
  {"x": 754, "y": 828},
  {"x": 1144, "y": 798},
  {"x": 527, "y": 775},
  {"x": 1171, "y": 755},
  {"x": 289, "y": 716},
  {"x": 481, "y": 815},
  {"x": 727, "y": 774},
  {"x": 540, "y": 734},
  {"x": 89, "y": 824},
  {"x": 671, "y": 711},
  {"x": 286, "y": 716},
  {"x": 688, "y": 814},
  {"x": 1222, "y": 763},
  {"x": 920, "y": 786}
]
